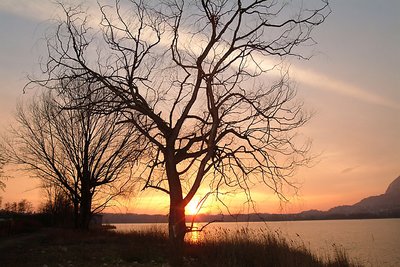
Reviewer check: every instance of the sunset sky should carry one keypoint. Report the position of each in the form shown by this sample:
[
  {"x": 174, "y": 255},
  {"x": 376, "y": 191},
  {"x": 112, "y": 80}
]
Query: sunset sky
[{"x": 352, "y": 83}]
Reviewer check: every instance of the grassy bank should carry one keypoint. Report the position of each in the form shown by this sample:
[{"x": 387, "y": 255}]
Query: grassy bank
[{"x": 56, "y": 247}]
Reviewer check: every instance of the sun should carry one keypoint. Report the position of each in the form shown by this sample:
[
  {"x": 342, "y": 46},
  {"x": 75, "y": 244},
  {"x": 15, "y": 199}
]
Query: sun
[{"x": 192, "y": 207}]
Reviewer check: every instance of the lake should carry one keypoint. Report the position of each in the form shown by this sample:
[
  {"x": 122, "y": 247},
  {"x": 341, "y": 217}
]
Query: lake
[{"x": 373, "y": 242}]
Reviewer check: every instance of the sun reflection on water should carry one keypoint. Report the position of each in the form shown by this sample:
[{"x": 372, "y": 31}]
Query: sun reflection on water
[{"x": 195, "y": 235}]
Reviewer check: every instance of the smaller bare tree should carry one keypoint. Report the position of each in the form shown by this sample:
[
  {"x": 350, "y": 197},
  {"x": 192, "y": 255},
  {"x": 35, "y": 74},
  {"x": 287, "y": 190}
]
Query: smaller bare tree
[{"x": 89, "y": 155}]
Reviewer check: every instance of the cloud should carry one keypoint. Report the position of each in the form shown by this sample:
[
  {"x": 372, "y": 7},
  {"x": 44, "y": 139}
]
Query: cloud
[
  {"x": 347, "y": 170},
  {"x": 324, "y": 82}
]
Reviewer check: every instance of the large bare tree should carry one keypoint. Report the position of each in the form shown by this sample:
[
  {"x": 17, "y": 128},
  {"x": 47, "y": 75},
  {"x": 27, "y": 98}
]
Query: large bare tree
[
  {"x": 86, "y": 154},
  {"x": 192, "y": 78}
]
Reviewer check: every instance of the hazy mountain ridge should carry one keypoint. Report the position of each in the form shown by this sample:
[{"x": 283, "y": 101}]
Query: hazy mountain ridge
[
  {"x": 386, "y": 205},
  {"x": 387, "y": 202}
]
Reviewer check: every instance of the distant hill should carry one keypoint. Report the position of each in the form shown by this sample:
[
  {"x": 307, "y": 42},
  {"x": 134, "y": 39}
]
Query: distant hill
[{"x": 386, "y": 205}]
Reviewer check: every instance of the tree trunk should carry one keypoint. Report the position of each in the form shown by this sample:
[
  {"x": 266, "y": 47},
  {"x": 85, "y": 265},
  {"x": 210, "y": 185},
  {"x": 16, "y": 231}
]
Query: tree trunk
[
  {"x": 85, "y": 208},
  {"x": 76, "y": 213},
  {"x": 177, "y": 231},
  {"x": 176, "y": 221}
]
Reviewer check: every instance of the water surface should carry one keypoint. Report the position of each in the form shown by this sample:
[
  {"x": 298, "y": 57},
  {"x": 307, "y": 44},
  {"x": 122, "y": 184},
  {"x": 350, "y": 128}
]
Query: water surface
[{"x": 373, "y": 242}]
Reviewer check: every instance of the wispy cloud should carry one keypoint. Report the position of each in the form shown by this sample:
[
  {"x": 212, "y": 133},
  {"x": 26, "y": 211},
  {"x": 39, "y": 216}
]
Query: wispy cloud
[
  {"x": 327, "y": 83},
  {"x": 347, "y": 170}
]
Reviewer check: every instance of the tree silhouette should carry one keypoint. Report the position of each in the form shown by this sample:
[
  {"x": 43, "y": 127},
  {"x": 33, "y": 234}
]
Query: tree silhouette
[
  {"x": 84, "y": 153},
  {"x": 190, "y": 77}
]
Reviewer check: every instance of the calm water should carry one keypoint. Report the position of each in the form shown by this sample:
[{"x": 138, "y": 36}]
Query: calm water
[{"x": 372, "y": 242}]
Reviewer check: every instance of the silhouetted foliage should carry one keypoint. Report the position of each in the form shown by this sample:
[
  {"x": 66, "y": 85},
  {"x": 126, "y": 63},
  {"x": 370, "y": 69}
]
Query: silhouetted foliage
[
  {"x": 19, "y": 217},
  {"x": 188, "y": 76},
  {"x": 22, "y": 207}
]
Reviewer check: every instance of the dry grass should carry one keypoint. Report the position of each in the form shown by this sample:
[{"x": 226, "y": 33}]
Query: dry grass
[
  {"x": 60, "y": 247},
  {"x": 235, "y": 249}
]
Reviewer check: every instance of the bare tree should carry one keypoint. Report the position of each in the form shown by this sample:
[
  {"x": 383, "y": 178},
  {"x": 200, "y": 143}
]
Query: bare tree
[
  {"x": 188, "y": 75},
  {"x": 86, "y": 154}
]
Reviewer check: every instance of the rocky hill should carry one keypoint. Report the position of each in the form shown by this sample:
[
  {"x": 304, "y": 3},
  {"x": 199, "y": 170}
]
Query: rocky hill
[{"x": 394, "y": 188}]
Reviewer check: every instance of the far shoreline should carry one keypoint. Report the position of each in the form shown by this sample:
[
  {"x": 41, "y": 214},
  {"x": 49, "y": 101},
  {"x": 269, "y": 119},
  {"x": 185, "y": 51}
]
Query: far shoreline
[{"x": 113, "y": 218}]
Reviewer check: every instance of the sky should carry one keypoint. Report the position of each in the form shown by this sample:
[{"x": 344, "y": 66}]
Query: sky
[{"x": 352, "y": 84}]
